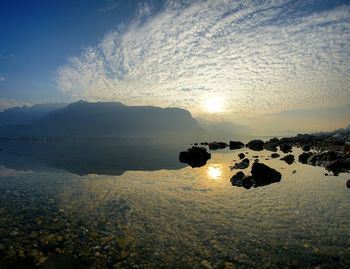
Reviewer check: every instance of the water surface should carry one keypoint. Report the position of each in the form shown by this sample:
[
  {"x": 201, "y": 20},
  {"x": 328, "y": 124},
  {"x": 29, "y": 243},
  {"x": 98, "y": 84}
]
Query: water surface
[{"x": 143, "y": 209}]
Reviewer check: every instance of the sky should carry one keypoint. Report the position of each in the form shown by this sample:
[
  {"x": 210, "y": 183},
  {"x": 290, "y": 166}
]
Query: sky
[{"x": 249, "y": 62}]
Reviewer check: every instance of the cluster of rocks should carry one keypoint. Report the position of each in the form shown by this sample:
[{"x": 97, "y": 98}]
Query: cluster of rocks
[
  {"x": 329, "y": 150},
  {"x": 261, "y": 175},
  {"x": 195, "y": 156}
]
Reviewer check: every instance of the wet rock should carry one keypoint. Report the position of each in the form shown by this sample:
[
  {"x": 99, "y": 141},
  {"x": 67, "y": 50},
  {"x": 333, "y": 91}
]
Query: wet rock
[
  {"x": 242, "y": 165},
  {"x": 338, "y": 166},
  {"x": 256, "y": 145},
  {"x": 324, "y": 158},
  {"x": 195, "y": 156},
  {"x": 275, "y": 155},
  {"x": 285, "y": 148},
  {"x": 217, "y": 145},
  {"x": 306, "y": 148},
  {"x": 303, "y": 157},
  {"x": 236, "y": 145},
  {"x": 241, "y": 155},
  {"x": 348, "y": 183},
  {"x": 271, "y": 146},
  {"x": 264, "y": 174},
  {"x": 288, "y": 158},
  {"x": 237, "y": 179}
]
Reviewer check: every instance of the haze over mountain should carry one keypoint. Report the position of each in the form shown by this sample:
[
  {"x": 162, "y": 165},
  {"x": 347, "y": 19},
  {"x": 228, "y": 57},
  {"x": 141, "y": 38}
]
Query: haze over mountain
[{"x": 101, "y": 119}]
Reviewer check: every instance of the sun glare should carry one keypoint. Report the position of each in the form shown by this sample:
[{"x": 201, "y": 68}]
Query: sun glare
[
  {"x": 214, "y": 172},
  {"x": 214, "y": 105}
]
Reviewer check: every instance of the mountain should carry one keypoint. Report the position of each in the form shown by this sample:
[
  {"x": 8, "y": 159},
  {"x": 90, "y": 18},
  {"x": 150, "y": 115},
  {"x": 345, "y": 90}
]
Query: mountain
[
  {"x": 222, "y": 130},
  {"x": 25, "y": 114},
  {"x": 107, "y": 119}
]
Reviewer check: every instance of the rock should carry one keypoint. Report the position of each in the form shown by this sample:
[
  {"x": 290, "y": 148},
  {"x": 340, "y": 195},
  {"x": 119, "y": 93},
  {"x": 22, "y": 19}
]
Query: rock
[
  {"x": 241, "y": 155},
  {"x": 236, "y": 145},
  {"x": 195, "y": 156},
  {"x": 275, "y": 155},
  {"x": 306, "y": 148},
  {"x": 264, "y": 174},
  {"x": 274, "y": 140},
  {"x": 337, "y": 166},
  {"x": 324, "y": 158},
  {"x": 304, "y": 157},
  {"x": 242, "y": 165},
  {"x": 256, "y": 145},
  {"x": 348, "y": 183},
  {"x": 271, "y": 146},
  {"x": 285, "y": 148},
  {"x": 347, "y": 147},
  {"x": 206, "y": 265},
  {"x": 217, "y": 145},
  {"x": 241, "y": 180},
  {"x": 288, "y": 159}
]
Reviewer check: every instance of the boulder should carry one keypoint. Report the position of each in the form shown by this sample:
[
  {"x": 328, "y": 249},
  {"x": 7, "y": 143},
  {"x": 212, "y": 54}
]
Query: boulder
[
  {"x": 285, "y": 148},
  {"x": 241, "y": 155},
  {"x": 306, "y": 148},
  {"x": 275, "y": 155},
  {"x": 256, "y": 145},
  {"x": 337, "y": 166},
  {"x": 304, "y": 157},
  {"x": 241, "y": 180},
  {"x": 271, "y": 146},
  {"x": 195, "y": 156},
  {"x": 236, "y": 145},
  {"x": 217, "y": 145},
  {"x": 288, "y": 159},
  {"x": 242, "y": 165},
  {"x": 264, "y": 174}
]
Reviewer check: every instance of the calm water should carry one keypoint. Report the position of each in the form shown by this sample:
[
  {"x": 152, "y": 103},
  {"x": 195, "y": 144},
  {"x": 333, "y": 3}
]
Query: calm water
[{"x": 85, "y": 205}]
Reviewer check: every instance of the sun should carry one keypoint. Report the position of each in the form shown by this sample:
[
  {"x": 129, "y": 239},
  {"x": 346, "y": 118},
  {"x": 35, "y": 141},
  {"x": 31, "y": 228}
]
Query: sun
[
  {"x": 214, "y": 172},
  {"x": 214, "y": 105}
]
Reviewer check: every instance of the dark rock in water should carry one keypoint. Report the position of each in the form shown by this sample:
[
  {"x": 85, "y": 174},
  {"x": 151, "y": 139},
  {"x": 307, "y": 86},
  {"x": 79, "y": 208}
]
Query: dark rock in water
[
  {"x": 285, "y": 148},
  {"x": 241, "y": 180},
  {"x": 348, "y": 183},
  {"x": 271, "y": 146},
  {"x": 236, "y": 145},
  {"x": 275, "y": 155},
  {"x": 256, "y": 145},
  {"x": 196, "y": 144},
  {"x": 337, "y": 166},
  {"x": 241, "y": 155},
  {"x": 264, "y": 174},
  {"x": 274, "y": 140},
  {"x": 306, "y": 148},
  {"x": 323, "y": 158},
  {"x": 288, "y": 159},
  {"x": 195, "y": 156},
  {"x": 217, "y": 145},
  {"x": 242, "y": 165},
  {"x": 304, "y": 157}
]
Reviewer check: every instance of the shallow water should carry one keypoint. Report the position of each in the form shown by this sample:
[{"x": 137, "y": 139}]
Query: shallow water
[{"x": 159, "y": 213}]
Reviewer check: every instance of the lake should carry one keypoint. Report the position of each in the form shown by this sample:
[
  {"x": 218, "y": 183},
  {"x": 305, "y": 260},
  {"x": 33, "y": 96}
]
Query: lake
[{"x": 134, "y": 205}]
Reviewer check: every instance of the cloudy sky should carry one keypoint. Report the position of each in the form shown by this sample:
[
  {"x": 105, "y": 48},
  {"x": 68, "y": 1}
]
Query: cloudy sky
[{"x": 251, "y": 62}]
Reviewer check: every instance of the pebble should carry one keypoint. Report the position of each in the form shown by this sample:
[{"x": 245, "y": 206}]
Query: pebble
[{"x": 206, "y": 265}]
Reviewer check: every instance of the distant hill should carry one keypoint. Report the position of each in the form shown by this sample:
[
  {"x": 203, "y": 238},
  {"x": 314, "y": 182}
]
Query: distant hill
[
  {"x": 25, "y": 114},
  {"x": 104, "y": 119}
]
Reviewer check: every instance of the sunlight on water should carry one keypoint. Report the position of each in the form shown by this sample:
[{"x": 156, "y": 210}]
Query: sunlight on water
[{"x": 179, "y": 218}]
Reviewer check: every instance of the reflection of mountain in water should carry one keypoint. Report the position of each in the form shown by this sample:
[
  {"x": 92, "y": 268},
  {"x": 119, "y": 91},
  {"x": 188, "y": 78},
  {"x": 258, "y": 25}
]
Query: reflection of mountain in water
[{"x": 82, "y": 158}]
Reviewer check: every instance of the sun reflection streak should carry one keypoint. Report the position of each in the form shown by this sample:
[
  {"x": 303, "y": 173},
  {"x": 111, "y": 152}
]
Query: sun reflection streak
[{"x": 214, "y": 172}]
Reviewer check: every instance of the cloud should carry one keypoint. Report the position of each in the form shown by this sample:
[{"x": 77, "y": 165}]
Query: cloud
[
  {"x": 258, "y": 56},
  {"x": 2, "y": 78},
  {"x": 8, "y": 103}
]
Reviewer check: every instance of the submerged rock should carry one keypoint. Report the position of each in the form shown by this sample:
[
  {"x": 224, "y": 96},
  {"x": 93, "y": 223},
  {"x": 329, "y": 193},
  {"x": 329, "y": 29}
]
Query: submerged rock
[
  {"x": 236, "y": 145},
  {"x": 195, "y": 156},
  {"x": 256, "y": 145},
  {"x": 288, "y": 158}
]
